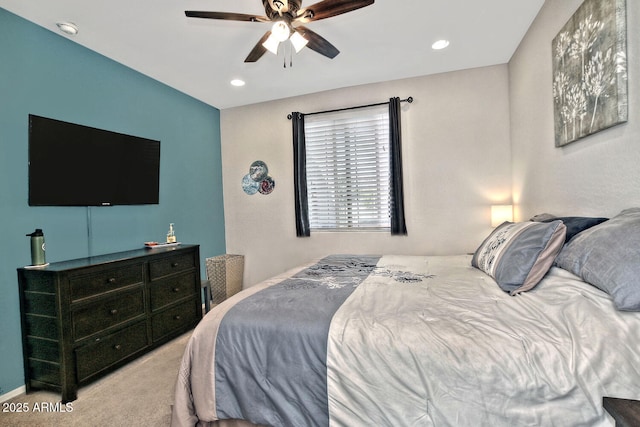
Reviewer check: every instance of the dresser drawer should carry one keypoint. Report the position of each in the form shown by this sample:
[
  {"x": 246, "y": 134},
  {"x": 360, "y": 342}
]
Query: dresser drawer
[
  {"x": 170, "y": 265},
  {"x": 168, "y": 291},
  {"x": 104, "y": 352},
  {"x": 106, "y": 280},
  {"x": 182, "y": 316},
  {"x": 107, "y": 312}
]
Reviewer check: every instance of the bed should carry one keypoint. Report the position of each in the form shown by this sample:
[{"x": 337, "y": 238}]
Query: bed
[{"x": 533, "y": 329}]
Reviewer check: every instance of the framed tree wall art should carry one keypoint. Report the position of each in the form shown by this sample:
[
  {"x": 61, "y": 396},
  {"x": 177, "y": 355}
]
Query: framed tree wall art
[{"x": 590, "y": 71}]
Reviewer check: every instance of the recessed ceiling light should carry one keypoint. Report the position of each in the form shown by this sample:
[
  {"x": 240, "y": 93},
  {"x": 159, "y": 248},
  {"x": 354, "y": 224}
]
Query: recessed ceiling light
[
  {"x": 440, "y": 44},
  {"x": 68, "y": 28},
  {"x": 237, "y": 82}
]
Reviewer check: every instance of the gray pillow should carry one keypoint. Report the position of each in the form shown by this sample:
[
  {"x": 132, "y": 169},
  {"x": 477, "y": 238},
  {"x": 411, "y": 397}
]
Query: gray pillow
[
  {"x": 518, "y": 255},
  {"x": 608, "y": 256},
  {"x": 577, "y": 224}
]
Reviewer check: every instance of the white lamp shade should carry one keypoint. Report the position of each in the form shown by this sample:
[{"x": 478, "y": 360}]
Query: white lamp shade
[
  {"x": 280, "y": 31},
  {"x": 500, "y": 214},
  {"x": 298, "y": 41},
  {"x": 271, "y": 44}
]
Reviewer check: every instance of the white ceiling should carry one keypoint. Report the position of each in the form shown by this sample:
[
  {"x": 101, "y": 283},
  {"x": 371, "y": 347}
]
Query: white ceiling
[{"x": 388, "y": 40}]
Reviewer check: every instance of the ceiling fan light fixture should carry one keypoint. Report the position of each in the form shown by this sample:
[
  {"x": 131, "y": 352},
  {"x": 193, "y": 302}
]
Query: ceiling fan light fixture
[
  {"x": 271, "y": 44},
  {"x": 280, "y": 31},
  {"x": 298, "y": 41}
]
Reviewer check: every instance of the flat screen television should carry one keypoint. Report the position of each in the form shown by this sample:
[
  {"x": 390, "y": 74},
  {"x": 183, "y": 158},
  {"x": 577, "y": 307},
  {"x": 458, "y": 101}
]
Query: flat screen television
[{"x": 75, "y": 165}]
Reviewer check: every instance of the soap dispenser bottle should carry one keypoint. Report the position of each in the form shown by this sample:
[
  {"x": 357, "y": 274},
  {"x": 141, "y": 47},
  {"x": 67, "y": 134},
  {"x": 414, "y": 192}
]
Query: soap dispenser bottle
[{"x": 171, "y": 235}]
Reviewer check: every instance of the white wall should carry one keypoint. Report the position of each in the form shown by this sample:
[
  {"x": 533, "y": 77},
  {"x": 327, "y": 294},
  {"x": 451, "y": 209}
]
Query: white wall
[
  {"x": 457, "y": 162},
  {"x": 598, "y": 175}
]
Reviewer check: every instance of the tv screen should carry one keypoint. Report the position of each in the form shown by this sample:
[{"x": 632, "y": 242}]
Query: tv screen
[{"x": 75, "y": 165}]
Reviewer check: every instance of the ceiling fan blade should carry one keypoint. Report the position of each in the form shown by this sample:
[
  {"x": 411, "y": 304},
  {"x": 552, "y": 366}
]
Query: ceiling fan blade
[
  {"x": 329, "y": 8},
  {"x": 258, "y": 50},
  {"x": 226, "y": 16},
  {"x": 317, "y": 42}
]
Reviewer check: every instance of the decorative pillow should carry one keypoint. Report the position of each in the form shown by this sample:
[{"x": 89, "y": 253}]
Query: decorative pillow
[
  {"x": 577, "y": 224},
  {"x": 518, "y": 255},
  {"x": 608, "y": 257}
]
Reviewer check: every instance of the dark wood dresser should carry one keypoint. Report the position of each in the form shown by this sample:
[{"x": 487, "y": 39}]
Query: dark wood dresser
[{"x": 86, "y": 317}]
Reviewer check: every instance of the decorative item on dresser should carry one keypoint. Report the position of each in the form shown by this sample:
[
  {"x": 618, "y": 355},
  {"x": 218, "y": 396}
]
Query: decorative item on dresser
[{"x": 85, "y": 317}]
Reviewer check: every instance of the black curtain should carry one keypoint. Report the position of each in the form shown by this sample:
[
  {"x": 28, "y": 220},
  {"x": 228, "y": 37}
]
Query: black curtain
[
  {"x": 398, "y": 226},
  {"x": 300, "y": 176}
]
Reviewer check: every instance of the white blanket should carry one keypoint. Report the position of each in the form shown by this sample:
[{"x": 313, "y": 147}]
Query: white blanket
[{"x": 454, "y": 349}]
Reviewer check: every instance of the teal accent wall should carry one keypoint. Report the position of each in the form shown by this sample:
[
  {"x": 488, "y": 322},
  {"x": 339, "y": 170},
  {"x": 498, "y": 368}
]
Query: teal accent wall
[{"x": 44, "y": 73}]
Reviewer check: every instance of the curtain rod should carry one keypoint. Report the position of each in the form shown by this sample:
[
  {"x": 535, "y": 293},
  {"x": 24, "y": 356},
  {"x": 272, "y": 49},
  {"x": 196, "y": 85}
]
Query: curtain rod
[{"x": 409, "y": 100}]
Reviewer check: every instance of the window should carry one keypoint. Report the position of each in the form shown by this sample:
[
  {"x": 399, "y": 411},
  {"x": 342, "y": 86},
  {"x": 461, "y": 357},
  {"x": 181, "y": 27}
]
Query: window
[
  {"x": 353, "y": 169},
  {"x": 348, "y": 169}
]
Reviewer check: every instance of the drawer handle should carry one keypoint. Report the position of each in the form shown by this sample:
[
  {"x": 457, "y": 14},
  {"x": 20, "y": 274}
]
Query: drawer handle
[
  {"x": 112, "y": 280},
  {"x": 176, "y": 290},
  {"x": 113, "y": 311},
  {"x": 117, "y": 347},
  {"x": 177, "y": 317}
]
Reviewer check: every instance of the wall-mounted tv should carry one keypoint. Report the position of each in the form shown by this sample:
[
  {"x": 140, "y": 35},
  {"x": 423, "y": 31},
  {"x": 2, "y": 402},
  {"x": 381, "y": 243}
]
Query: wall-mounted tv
[{"x": 75, "y": 165}]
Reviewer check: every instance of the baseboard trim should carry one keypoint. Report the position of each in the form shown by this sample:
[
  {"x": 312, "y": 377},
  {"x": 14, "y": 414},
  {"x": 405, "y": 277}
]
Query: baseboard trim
[{"x": 12, "y": 394}]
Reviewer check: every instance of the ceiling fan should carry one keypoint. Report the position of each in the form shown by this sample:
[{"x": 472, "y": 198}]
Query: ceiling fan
[{"x": 287, "y": 17}]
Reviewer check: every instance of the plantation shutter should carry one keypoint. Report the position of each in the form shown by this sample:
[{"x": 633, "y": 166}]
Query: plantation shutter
[{"x": 348, "y": 169}]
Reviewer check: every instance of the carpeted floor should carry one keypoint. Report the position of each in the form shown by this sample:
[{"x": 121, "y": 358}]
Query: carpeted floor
[{"x": 138, "y": 394}]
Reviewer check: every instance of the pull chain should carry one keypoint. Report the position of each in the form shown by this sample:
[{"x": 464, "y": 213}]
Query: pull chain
[{"x": 284, "y": 54}]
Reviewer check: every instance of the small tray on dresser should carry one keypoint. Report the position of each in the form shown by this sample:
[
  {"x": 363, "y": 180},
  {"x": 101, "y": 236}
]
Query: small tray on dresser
[{"x": 154, "y": 245}]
